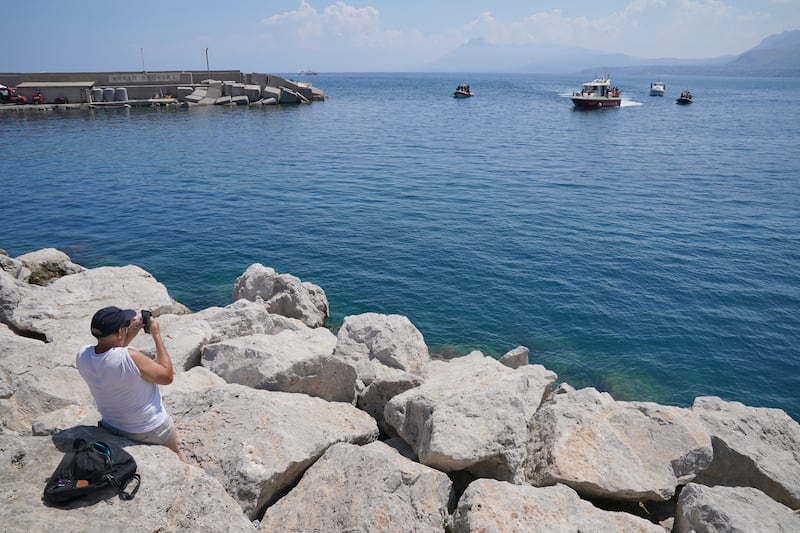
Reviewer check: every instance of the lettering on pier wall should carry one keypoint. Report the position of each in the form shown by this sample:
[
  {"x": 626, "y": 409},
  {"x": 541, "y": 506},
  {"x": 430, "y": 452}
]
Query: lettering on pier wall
[{"x": 141, "y": 77}]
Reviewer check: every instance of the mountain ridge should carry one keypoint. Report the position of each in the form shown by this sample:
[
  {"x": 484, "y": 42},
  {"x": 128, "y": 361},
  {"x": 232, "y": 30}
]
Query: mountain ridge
[{"x": 776, "y": 55}]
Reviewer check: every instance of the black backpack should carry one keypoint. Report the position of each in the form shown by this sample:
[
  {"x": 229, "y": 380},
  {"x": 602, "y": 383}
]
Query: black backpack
[{"x": 90, "y": 468}]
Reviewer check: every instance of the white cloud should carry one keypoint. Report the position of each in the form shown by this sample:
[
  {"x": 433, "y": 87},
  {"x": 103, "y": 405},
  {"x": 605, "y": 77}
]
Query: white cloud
[
  {"x": 345, "y": 37},
  {"x": 341, "y": 36},
  {"x": 338, "y": 22},
  {"x": 654, "y": 28}
]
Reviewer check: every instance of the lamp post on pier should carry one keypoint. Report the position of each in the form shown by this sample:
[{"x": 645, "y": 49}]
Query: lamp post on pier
[{"x": 207, "y": 67}]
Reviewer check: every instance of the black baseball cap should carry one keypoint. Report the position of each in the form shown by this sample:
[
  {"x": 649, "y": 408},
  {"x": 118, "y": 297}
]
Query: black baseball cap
[{"x": 108, "y": 320}]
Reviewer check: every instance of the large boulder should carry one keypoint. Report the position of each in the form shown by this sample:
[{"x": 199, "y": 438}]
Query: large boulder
[
  {"x": 47, "y": 265},
  {"x": 62, "y": 311},
  {"x": 243, "y": 318},
  {"x": 376, "y": 395},
  {"x": 472, "y": 414},
  {"x": 173, "y": 496},
  {"x": 84, "y": 413},
  {"x": 617, "y": 450},
  {"x": 291, "y": 361},
  {"x": 14, "y": 267},
  {"x": 12, "y": 292},
  {"x": 515, "y": 358},
  {"x": 364, "y": 488},
  {"x": 490, "y": 505},
  {"x": 283, "y": 294},
  {"x": 704, "y": 509},
  {"x": 382, "y": 346},
  {"x": 755, "y": 447},
  {"x": 184, "y": 337},
  {"x": 36, "y": 379},
  {"x": 259, "y": 443}
]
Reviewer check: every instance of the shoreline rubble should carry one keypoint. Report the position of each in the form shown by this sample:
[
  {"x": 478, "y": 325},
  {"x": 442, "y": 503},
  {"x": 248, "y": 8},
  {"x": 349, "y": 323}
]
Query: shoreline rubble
[{"x": 288, "y": 425}]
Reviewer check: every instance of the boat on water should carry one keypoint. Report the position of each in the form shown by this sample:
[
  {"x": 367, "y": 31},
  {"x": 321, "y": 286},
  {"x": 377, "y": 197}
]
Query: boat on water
[
  {"x": 657, "y": 88},
  {"x": 307, "y": 72},
  {"x": 463, "y": 91},
  {"x": 597, "y": 94},
  {"x": 684, "y": 98}
]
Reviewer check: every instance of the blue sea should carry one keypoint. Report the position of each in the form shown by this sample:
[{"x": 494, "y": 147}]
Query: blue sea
[{"x": 651, "y": 251}]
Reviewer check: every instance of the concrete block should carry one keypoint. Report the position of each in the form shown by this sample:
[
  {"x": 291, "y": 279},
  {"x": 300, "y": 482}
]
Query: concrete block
[
  {"x": 214, "y": 89},
  {"x": 223, "y": 100},
  {"x": 184, "y": 91},
  {"x": 288, "y": 96},
  {"x": 253, "y": 92},
  {"x": 271, "y": 92}
]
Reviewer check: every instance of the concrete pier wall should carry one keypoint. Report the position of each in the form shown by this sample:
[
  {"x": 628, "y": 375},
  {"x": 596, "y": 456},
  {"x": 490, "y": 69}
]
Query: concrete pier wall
[{"x": 232, "y": 86}]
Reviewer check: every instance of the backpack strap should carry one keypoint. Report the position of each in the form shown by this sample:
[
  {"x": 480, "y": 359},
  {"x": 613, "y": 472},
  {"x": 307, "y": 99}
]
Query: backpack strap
[{"x": 121, "y": 488}]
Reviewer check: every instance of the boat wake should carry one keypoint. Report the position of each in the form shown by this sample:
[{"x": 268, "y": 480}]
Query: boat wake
[{"x": 624, "y": 102}]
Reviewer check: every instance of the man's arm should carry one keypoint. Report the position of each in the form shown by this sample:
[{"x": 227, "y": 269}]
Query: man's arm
[
  {"x": 133, "y": 330},
  {"x": 158, "y": 370}
]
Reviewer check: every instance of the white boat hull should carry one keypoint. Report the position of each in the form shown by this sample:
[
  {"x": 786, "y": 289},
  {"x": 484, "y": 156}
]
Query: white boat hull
[{"x": 657, "y": 88}]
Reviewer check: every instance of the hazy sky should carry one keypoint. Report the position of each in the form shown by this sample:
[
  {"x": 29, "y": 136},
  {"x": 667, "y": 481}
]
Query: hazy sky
[{"x": 284, "y": 36}]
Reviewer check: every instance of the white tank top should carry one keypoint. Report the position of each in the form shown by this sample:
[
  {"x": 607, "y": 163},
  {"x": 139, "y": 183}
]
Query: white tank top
[{"x": 124, "y": 399}]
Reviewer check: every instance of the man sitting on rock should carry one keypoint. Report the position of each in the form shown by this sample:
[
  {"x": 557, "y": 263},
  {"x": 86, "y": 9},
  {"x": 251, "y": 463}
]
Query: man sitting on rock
[{"x": 124, "y": 382}]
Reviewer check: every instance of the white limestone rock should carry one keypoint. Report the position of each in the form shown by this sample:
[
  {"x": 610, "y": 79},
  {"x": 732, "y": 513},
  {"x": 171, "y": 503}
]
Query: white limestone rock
[
  {"x": 243, "y": 318},
  {"x": 753, "y": 446},
  {"x": 291, "y": 361},
  {"x": 173, "y": 496},
  {"x": 490, "y": 505},
  {"x": 472, "y": 414},
  {"x": 194, "y": 380},
  {"x": 515, "y": 358},
  {"x": 62, "y": 311},
  {"x": 67, "y": 417},
  {"x": 14, "y": 267},
  {"x": 376, "y": 395},
  {"x": 259, "y": 443},
  {"x": 704, "y": 509},
  {"x": 283, "y": 294},
  {"x": 12, "y": 291},
  {"x": 382, "y": 346},
  {"x": 36, "y": 390},
  {"x": 184, "y": 337},
  {"x": 364, "y": 488},
  {"x": 48, "y": 264},
  {"x": 618, "y": 450}
]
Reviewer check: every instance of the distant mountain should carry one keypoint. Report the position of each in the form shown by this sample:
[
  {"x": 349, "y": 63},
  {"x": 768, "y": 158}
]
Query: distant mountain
[
  {"x": 776, "y": 55},
  {"x": 479, "y": 56}
]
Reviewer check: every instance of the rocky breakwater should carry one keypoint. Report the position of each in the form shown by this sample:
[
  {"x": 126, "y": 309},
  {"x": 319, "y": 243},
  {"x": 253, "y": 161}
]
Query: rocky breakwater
[
  {"x": 271, "y": 90},
  {"x": 288, "y": 426}
]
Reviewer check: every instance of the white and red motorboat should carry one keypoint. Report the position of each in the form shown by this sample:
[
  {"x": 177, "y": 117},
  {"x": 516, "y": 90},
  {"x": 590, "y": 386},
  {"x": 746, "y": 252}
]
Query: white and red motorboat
[{"x": 597, "y": 94}]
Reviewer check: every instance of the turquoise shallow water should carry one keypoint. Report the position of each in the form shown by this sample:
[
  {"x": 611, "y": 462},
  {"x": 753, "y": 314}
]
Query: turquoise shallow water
[{"x": 652, "y": 251}]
